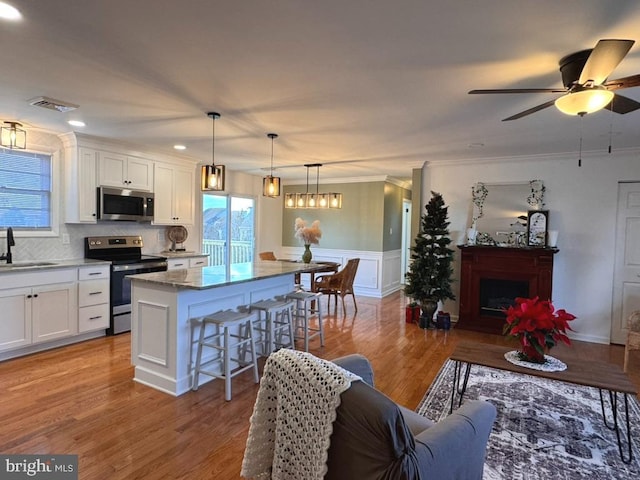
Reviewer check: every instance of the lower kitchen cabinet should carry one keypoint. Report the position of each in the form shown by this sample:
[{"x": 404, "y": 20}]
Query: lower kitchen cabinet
[
  {"x": 53, "y": 312},
  {"x": 37, "y": 314}
]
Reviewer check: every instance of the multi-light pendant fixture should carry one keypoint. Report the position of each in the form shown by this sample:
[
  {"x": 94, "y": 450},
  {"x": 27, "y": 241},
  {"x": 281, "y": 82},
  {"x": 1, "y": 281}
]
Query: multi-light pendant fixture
[
  {"x": 213, "y": 175},
  {"x": 13, "y": 137},
  {"x": 313, "y": 200},
  {"x": 271, "y": 184}
]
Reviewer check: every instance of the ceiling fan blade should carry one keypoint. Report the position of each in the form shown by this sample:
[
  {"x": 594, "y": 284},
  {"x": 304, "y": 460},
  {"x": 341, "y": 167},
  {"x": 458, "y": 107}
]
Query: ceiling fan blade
[
  {"x": 622, "y": 105},
  {"x": 626, "y": 82},
  {"x": 520, "y": 90},
  {"x": 604, "y": 58},
  {"x": 530, "y": 111}
]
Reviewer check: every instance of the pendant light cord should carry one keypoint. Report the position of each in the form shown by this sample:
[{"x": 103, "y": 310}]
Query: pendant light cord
[
  {"x": 580, "y": 154},
  {"x": 213, "y": 140}
]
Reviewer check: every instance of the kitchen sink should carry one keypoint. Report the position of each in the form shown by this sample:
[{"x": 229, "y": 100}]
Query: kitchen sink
[{"x": 19, "y": 265}]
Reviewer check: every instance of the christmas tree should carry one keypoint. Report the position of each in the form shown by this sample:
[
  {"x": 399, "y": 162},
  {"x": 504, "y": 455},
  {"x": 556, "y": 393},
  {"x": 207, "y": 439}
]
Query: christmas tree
[{"x": 429, "y": 276}]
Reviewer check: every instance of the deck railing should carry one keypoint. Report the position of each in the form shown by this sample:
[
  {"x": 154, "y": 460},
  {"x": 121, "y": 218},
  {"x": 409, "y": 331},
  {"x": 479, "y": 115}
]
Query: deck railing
[{"x": 241, "y": 252}]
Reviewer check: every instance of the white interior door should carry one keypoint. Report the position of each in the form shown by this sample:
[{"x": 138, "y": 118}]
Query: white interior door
[
  {"x": 626, "y": 290},
  {"x": 406, "y": 240}
]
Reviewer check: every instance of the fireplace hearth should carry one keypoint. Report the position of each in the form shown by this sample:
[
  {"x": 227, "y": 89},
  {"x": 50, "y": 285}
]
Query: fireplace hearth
[{"x": 492, "y": 277}]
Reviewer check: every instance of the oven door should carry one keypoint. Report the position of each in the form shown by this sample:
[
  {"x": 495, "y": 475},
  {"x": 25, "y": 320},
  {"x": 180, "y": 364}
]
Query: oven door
[{"x": 121, "y": 292}]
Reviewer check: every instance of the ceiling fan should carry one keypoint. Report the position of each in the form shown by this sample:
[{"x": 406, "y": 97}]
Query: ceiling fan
[{"x": 586, "y": 88}]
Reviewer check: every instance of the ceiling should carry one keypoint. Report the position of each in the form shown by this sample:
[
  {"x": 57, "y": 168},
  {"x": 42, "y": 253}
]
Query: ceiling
[{"x": 365, "y": 87}]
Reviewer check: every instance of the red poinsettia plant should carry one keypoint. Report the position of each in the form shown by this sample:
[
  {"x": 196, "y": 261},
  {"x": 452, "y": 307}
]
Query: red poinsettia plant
[{"x": 538, "y": 326}]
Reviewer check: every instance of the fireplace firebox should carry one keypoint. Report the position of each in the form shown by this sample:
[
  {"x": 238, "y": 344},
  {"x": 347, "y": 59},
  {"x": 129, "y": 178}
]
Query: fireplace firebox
[{"x": 491, "y": 278}]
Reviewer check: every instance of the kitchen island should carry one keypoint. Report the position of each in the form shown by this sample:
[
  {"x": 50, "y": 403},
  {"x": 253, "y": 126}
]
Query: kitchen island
[{"x": 163, "y": 304}]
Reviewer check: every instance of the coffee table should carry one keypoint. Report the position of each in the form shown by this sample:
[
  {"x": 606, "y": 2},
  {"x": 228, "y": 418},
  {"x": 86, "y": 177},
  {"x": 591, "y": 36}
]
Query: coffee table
[{"x": 600, "y": 375}]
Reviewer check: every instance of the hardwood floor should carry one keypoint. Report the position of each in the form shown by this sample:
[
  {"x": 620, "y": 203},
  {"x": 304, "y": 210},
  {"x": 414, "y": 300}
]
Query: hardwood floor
[{"x": 82, "y": 400}]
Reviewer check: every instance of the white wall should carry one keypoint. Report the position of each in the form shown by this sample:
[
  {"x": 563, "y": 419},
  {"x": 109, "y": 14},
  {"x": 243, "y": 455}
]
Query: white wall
[{"x": 582, "y": 202}]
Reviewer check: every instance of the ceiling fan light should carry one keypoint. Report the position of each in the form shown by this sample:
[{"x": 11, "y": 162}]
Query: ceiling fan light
[{"x": 584, "y": 101}]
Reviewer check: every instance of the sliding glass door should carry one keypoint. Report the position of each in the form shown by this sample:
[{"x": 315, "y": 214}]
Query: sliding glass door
[{"x": 228, "y": 225}]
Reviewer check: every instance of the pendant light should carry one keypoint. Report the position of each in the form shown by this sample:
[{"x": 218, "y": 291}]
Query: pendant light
[
  {"x": 313, "y": 200},
  {"x": 212, "y": 176},
  {"x": 13, "y": 137},
  {"x": 271, "y": 184}
]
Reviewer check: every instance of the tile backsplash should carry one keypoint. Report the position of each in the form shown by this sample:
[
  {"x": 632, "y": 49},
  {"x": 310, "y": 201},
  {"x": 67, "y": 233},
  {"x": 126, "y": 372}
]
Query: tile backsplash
[{"x": 51, "y": 248}]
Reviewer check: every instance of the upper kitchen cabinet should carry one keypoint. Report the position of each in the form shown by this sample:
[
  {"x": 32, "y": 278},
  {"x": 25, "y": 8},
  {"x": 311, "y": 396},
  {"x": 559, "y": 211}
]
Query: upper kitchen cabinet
[
  {"x": 123, "y": 171},
  {"x": 174, "y": 195},
  {"x": 81, "y": 177}
]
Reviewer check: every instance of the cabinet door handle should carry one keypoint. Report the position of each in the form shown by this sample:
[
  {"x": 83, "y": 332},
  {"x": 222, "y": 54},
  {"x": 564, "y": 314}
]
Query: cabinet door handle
[
  {"x": 178, "y": 264},
  {"x": 28, "y": 296},
  {"x": 35, "y": 295},
  {"x": 95, "y": 273},
  {"x": 95, "y": 293},
  {"x": 95, "y": 318}
]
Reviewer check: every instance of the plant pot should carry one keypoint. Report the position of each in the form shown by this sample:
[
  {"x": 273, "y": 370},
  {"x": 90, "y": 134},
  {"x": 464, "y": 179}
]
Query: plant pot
[
  {"x": 529, "y": 353},
  {"x": 429, "y": 307}
]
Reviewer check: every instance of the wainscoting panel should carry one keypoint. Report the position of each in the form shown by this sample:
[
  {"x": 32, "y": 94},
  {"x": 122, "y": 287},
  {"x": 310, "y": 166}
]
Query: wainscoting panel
[{"x": 378, "y": 272}]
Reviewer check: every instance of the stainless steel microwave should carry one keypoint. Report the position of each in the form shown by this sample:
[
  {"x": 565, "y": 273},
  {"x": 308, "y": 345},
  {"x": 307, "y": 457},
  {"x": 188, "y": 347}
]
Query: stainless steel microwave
[{"x": 124, "y": 205}]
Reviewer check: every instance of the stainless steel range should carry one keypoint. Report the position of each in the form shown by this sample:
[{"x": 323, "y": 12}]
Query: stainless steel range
[{"x": 125, "y": 255}]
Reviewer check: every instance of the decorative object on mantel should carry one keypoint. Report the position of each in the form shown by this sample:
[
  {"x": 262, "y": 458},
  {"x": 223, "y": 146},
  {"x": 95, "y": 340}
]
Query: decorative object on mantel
[
  {"x": 536, "y": 197},
  {"x": 429, "y": 277},
  {"x": 537, "y": 326},
  {"x": 479, "y": 194},
  {"x": 537, "y": 224},
  {"x": 212, "y": 176},
  {"x": 307, "y": 235},
  {"x": 12, "y": 136},
  {"x": 271, "y": 184},
  {"x": 313, "y": 200}
]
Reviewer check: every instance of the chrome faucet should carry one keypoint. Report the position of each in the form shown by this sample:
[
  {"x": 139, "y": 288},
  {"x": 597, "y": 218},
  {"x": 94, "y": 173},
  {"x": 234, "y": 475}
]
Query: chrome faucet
[{"x": 10, "y": 243}]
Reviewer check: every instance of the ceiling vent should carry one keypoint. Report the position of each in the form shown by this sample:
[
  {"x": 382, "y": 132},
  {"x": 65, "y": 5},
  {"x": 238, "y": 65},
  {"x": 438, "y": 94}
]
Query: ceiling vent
[{"x": 52, "y": 104}]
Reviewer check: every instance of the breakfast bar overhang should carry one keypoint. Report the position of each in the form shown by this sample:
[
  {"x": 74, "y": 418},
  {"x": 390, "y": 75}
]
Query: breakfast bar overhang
[{"x": 163, "y": 304}]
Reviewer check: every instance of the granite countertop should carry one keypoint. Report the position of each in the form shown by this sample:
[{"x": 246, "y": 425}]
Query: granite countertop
[
  {"x": 202, "y": 278},
  {"x": 38, "y": 265},
  {"x": 178, "y": 254}
]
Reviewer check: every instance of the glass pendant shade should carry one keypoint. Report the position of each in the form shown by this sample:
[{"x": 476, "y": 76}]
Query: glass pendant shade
[
  {"x": 584, "y": 101},
  {"x": 290, "y": 200},
  {"x": 335, "y": 200},
  {"x": 271, "y": 186},
  {"x": 212, "y": 176},
  {"x": 13, "y": 137}
]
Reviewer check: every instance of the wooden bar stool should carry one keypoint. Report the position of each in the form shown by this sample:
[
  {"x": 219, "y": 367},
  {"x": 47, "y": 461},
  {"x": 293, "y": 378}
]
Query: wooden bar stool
[
  {"x": 276, "y": 324},
  {"x": 232, "y": 331},
  {"x": 302, "y": 314}
]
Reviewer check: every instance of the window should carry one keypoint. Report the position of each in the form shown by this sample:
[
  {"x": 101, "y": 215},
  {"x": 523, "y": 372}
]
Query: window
[
  {"x": 25, "y": 190},
  {"x": 228, "y": 229}
]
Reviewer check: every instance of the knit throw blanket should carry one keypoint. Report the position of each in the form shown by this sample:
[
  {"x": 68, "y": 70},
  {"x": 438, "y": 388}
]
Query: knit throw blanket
[{"x": 293, "y": 417}]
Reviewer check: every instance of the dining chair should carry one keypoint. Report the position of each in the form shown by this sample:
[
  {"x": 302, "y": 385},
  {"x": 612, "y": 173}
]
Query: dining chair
[
  {"x": 340, "y": 283},
  {"x": 267, "y": 256}
]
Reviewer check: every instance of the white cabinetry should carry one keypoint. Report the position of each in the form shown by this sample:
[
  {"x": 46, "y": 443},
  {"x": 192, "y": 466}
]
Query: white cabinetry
[
  {"x": 15, "y": 330},
  {"x": 187, "y": 262},
  {"x": 174, "y": 195},
  {"x": 123, "y": 171},
  {"x": 81, "y": 180},
  {"x": 41, "y": 307},
  {"x": 93, "y": 298},
  {"x": 53, "y": 312}
]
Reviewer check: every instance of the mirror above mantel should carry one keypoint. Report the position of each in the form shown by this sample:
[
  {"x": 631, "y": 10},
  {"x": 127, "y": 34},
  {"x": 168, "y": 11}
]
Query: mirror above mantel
[{"x": 500, "y": 209}]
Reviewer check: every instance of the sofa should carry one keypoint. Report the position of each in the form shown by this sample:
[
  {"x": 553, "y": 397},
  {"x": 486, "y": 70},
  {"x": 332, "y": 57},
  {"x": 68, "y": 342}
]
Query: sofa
[{"x": 374, "y": 438}]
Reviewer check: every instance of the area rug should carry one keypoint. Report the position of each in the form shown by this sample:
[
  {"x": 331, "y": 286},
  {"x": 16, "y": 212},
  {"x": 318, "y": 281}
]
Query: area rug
[{"x": 545, "y": 429}]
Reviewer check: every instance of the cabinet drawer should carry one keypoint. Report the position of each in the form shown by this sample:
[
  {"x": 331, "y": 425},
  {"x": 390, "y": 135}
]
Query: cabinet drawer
[
  {"x": 94, "y": 317},
  {"x": 177, "y": 264},
  {"x": 198, "y": 262},
  {"x": 92, "y": 273},
  {"x": 93, "y": 292}
]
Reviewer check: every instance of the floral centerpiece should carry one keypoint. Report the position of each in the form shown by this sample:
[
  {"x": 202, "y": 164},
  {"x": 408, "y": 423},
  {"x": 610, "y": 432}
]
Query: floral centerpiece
[
  {"x": 307, "y": 235},
  {"x": 538, "y": 326}
]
